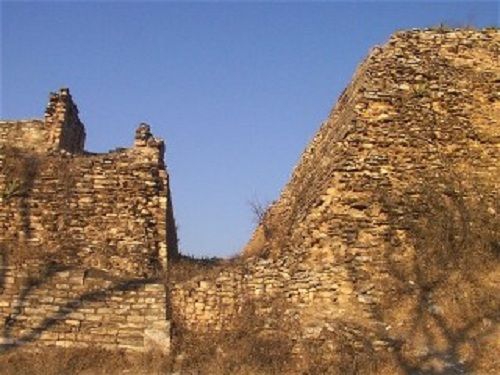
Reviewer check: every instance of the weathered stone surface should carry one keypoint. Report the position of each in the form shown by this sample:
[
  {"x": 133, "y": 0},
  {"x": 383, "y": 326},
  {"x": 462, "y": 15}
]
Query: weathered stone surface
[
  {"x": 420, "y": 108},
  {"x": 83, "y": 237},
  {"x": 158, "y": 338}
]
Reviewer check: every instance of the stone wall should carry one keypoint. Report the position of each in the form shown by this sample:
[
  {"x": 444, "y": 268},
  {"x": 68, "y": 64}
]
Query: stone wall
[
  {"x": 211, "y": 304},
  {"x": 424, "y": 99},
  {"x": 31, "y": 135},
  {"x": 419, "y": 120},
  {"x": 62, "y": 208},
  {"x": 81, "y": 307},
  {"x": 61, "y": 128},
  {"x": 106, "y": 211},
  {"x": 85, "y": 237}
]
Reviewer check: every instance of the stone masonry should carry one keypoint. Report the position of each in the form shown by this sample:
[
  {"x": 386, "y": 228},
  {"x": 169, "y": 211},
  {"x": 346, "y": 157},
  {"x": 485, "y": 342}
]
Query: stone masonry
[
  {"x": 335, "y": 246},
  {"x": 85, "y": 238}
]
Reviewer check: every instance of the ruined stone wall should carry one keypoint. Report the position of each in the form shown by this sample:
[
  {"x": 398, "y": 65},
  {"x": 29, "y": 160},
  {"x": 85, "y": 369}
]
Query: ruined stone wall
[
  {"x": 105, "y": 211},
  {"x": 61, "y": 128},
  {"x": 314, "y": 295},
  {"x": 421, "y": 113},
  {"x": 61, "y": 116},
  {"x": 66, "y": 214},
  {"x": 80, "y": 307},
  {"x": 422, "y": 100},
  {"x": 31, "y": 135},
  {"x": 210, "y": 304}
]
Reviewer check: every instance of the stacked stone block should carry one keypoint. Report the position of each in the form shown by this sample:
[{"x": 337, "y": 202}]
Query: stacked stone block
[
  {"x": 67, "y": 132},
  {"x": 66, "y": 214},
  {"x": 420, "y": 109},
  {"x": 70, "y": 307},
  {"x": 61, "y": 128}
]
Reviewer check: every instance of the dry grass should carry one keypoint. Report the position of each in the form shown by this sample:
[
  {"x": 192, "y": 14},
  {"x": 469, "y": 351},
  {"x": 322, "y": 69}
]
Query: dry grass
[
  {"x": 442, "y": 307},
  {"x": 89, "y": 361},
  {"x": 449, "y": 312},
  {"x": 184, "y": 268},
  {"x": 257, "y": 344},
  {"x": 337, "y": 354},
  {"x": 233, "y": 353}
]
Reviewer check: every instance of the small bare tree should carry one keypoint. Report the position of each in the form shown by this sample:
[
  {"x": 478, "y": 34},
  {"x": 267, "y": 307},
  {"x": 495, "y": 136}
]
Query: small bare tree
[{"x": 259, "y": 211}]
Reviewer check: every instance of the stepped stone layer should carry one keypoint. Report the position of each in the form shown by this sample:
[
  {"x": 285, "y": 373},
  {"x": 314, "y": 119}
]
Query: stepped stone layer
[
  {"x": 70, "y": 307},
  {"x": 66, "y": 213},
  {"x": 416, "y": 130}
]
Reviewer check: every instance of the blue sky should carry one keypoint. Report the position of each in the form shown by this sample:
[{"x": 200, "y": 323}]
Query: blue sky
[{"x": 237, "y": 90}]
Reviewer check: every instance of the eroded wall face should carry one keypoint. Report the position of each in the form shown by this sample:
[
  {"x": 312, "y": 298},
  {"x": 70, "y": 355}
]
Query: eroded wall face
[
  {"x": 85, "y": 239},
  {"x": 72, "y": 307},
  {"x": 65, "y": 217},
  {"x": 61, "y": 128},
  {"x": 421, "y": 113},
  {"x": 31, "y": 135},
  {"x": 106, "y": 211},
  {"x": 67, "y": 132}
]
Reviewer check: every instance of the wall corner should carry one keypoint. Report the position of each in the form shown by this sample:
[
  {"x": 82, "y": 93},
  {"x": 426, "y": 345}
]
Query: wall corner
[{"x": 66, "y": 131}]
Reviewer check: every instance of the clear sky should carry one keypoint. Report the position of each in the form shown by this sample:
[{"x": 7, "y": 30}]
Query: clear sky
[{"x": 237, "y": 90}]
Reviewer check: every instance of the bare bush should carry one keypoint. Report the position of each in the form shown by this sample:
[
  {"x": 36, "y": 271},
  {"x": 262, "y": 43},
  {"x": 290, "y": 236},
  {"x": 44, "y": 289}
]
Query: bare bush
[{"x": 259, "y": 212}]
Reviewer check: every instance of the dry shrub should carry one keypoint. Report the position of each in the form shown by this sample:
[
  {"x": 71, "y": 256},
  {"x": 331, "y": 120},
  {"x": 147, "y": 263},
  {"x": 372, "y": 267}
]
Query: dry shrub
[
  {"x": 184, "y": 268},
  {"x": 337, "y": 352},
  {"x": 255, "y": 345},
  {"x": 19, "y": 172},
  {"x": 456, "y": 230},
  {"x": 233, "y": 353}
]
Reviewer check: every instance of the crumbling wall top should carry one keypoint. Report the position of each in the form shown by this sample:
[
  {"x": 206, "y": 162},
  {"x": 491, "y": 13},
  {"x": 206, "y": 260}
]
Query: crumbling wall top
[
  {"x": 60, "y": 129},
  {"x": 66, "y": 130}
]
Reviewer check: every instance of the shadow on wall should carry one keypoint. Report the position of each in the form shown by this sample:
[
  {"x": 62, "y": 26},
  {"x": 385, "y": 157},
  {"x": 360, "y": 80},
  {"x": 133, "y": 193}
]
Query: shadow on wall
[
  {"x": 442, "y": 305},
  {"x": 439, "y": 311},
  {"x": 435, "y": 277},
  {"x": 20, "y": 172},
  {"x": 31, "y": 284},
  {"x": 62, "y": 311},
  {"x": 3, "y": 267},
  {"x": 28, "y": 176}
]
